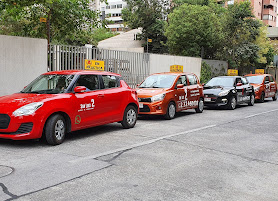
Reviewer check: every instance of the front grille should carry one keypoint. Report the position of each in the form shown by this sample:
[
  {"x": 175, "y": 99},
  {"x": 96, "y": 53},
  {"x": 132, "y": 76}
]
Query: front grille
[
  {"x": 210, "y": 96},
  {"x": 146, "y": 100},
  {"x": 145, "y": 109},
  {"x": 4, "y": 121}
]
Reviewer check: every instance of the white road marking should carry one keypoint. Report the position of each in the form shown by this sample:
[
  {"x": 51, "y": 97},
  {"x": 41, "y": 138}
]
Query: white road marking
[{"x": 253, "y": 115}]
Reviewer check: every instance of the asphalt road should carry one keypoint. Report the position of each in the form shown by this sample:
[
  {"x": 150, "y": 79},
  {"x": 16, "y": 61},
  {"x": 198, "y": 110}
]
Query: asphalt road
[{"x": 217, "y": 155}]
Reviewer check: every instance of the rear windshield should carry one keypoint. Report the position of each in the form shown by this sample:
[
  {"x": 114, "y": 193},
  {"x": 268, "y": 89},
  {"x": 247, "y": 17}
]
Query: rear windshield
[{"x": 255, "y": 79}]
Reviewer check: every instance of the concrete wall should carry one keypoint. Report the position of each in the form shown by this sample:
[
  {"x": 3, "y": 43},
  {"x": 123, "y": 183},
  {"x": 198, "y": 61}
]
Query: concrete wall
[
  {"x": 21, "y": 61},
  {"x": 161, "y": 63},
  {"x": 218, "y": 67}
]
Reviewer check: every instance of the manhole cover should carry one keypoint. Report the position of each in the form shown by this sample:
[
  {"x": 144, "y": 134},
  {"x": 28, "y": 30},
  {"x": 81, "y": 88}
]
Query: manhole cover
[{"x": 4, "y": 171}]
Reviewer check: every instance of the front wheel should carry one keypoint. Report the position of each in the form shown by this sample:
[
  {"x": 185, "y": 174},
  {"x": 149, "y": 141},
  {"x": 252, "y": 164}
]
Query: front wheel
[
  {"x": 274, "y": 98},
  {"x": 252, "y": 100},
  {"x": 130, "y": 117},
  {"x": 231, "y": 103},
  {"x": 55, "y": 130},
  {"x": 200, "y": 107},
  {"x": 261, "y": 100},
  {"x": 171, "y": 111}
]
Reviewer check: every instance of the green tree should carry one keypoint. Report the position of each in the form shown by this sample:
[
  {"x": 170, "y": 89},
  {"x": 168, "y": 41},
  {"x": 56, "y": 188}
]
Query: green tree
[
  {"x": 194, "y": 30},
  {"x": 68, "y": 21},
  {"x": 150, "y": 15}
]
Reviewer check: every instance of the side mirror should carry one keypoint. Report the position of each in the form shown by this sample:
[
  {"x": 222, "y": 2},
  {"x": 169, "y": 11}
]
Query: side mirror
[
  {"x": 79, "y": 89},
  {"x": 239, "y": 84},
  {"x": 203, "y": 84},
  {"x": 138, "y": 85},
  {"x": 180, "y": 86}
]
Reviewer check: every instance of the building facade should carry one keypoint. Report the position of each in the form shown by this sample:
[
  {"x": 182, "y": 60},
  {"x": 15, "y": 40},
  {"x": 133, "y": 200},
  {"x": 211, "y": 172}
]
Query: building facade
[
  {"x": 112, "y": 12},
  {"x": 265, "y": 10}
]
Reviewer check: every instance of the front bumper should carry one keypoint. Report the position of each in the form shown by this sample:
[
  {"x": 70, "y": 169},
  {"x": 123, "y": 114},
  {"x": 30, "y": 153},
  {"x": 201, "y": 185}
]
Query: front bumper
[
  {"x": 216, "y": 101},
  {"x": 156, "y": 108},
  {"x": 22, "y": 128}
]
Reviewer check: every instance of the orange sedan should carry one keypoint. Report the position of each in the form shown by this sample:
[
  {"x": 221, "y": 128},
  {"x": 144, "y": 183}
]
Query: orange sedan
[
  {"x": 168, "y": 93},
  {"x": 264, "y": 86}
]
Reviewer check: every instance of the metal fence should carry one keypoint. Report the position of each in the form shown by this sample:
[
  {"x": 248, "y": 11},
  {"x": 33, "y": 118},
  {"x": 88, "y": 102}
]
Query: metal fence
[{"x": 133, "y": 67}]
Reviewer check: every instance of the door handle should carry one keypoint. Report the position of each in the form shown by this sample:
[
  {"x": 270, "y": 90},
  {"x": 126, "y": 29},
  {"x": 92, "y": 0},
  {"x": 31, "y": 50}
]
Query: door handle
[{"x": 100, "y": 95}]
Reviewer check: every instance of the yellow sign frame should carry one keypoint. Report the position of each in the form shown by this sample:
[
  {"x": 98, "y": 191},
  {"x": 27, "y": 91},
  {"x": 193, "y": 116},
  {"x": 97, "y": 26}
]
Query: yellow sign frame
[
  {"x": 232, "y": 72},
  {"x": 43, "y": 19},
  {"x": 94, "y": 65},
  {"x": 259, "y": 71},
  {"x": 176, "y": 68}
]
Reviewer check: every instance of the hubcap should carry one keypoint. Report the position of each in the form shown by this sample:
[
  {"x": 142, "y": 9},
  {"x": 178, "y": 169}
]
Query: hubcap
[
  {"x": 172, "y": 110},
  {"x": 131, "y": 117},
  {"x": 59, "y": 130},
  {"x": 233, "y": 103},
  {"x": 201, "y": 105},
  {"x": 252, "y": 99}
]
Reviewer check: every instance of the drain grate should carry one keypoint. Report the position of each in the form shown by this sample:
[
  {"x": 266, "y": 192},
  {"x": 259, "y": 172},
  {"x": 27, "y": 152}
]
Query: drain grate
[{"x": 5, "y": 171}]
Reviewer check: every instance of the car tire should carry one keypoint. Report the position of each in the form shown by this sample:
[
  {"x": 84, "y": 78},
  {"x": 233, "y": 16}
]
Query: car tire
[
  {"x": 231, "y": 103},
  {"x": 274, "y": 98},
  {"x": 252, "y": 100},
  {"x": 55, "y": 130},
  {"x": 171, "y": 111},
  {"x": 130, "y": 117},
  {"x": 200, "y": 107},
  {"x": 261, "y": 100}
]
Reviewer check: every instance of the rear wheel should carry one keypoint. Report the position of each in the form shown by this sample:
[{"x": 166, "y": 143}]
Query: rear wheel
[
  {"x": 55, "y": 130},
  {"x": 200, "y": 107},
  {"x": 252, "y": 100},
  {"x": 130, "y": 117},
  {"x": 274, "y": 98},
  {"x": 261, "y": 100},
  {"x": 231, "y": 103},
  {"x": 171, "y": 111}
]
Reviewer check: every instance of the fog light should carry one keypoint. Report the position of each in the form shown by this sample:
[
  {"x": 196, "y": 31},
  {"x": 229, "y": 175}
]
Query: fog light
[{"x": 224, "y": 100}]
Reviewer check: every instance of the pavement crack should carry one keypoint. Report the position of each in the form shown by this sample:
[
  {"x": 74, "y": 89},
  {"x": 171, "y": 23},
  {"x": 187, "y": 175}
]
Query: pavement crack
[
  {"x": 116, "y": 156},
  {"x": 7, "y": 192},
  {"x": 224, "y": 152}
]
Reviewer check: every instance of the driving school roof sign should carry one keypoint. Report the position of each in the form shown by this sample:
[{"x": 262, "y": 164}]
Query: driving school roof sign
[
  {"x": 94, "y": 65},
  {"x": 232, "y": 72},
  {"x": 176, "y": 68}
]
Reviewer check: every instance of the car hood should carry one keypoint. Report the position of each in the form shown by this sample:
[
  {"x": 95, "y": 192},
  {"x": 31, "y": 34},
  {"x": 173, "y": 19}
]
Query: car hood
[
  {"x": 216, "y": 91},
  {"x": 149, "y": 92},
  {"x": 15, "y": 101}
]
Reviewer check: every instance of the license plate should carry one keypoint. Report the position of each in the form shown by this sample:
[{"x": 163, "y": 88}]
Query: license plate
[
  {"x": 141, "y": 105},
  {"x": 207, "y": 99}
]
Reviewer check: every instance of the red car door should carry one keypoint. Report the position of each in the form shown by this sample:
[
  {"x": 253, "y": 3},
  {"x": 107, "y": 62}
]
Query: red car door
[
  {"x": 181, "y": 94},
  {"x": 89, "y": 104},
  {"x": 193, "y": 91}
]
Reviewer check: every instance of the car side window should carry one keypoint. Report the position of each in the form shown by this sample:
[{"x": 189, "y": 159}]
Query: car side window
[
  {"x": 266, "y": 79},
  {"x": 89, "y": 81},
  {"x": 182, "y": 80},
  {"x": 110, "y": 81},
  {"x": 271, "y": 79},
  {"x": 238, "y": 80},
  {"x": 244, "y": 80},
  {"x": 192, "y": 79}
]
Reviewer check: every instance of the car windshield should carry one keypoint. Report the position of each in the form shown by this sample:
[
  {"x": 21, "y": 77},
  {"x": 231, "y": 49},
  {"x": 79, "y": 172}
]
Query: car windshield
[
  {"x": 255, "y": 79},
  {"x": 49, "y": 84},
  {"x": 158, "y": 81},
  {"x": 221, "y": 82}
]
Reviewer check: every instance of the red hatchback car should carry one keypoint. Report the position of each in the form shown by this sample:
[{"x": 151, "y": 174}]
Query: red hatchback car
[
  {"x": 264, "y": 86},
  {"x": 63, "y": 101}
]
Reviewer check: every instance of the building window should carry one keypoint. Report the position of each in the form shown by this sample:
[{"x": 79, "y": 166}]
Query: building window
[
  {"x": 267, "y": 17},
  {"x": 107, "y": 7},
  {"x": 113, "y": 6},
  {"x": 119, "y": 5}
]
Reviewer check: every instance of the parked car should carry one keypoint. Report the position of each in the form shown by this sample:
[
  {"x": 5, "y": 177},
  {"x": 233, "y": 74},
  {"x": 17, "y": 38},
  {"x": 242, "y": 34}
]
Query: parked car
[
  {"x": 63, "y": 101},
  {"x": 168, "y": 93},
  {"x": 264, "y": 86},
  {"x": 228, "y": 91}
]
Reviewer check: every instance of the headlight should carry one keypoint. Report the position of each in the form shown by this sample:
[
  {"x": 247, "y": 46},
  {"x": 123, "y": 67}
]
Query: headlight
[
  {"x": 158, "y": 97},
  {"x": 224, "y": 93},
  {"x": 257, "y": 89},
  {"x": 27, "y": 109}
]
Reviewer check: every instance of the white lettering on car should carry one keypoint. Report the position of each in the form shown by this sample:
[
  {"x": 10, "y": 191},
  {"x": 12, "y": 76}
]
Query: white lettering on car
[{"x": 87, "y": 106}]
